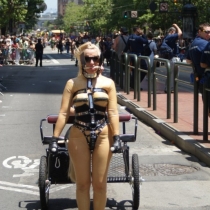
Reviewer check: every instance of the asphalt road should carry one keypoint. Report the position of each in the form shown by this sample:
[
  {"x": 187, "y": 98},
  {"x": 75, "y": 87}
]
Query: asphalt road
[{"x": 174, "y": 180}]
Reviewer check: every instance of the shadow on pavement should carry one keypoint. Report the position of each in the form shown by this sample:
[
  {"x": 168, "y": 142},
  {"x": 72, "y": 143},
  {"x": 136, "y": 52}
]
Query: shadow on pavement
[{"x": 65, "y": 203}]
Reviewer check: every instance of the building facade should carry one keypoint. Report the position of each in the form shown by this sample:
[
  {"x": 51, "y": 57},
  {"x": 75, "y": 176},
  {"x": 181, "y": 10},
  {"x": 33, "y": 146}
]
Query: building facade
[
  {"x": 63, "y": 3},
  {"x": 50, "y": 16}
]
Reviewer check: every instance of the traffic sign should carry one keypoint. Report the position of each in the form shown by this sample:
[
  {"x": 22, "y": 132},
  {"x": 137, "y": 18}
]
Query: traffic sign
[
  {"x": 134, "y": 14},
  {"x": 163, "y": 7}
]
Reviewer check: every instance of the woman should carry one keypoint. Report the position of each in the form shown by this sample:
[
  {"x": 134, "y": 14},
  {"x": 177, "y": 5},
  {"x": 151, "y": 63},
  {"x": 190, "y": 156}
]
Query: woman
[
  {"x": 32, "y": 52},
  {"x": 91, "y": 95},
  {"x": 72, "y": 46},
  {"x": 14, "y": 48}
]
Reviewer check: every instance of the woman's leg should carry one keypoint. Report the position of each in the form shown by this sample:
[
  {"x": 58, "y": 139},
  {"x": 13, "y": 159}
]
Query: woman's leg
[
  {"x": 100, "y": 160},
  {"x": 80, "y": 157}
]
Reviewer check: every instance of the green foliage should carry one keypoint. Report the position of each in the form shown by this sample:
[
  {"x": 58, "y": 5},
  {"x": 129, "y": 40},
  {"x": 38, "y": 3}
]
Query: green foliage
[
  {"x": 102, "y": 16},
  {"x": 15, "y": 11},
  {"x": 73, "y": 17}
]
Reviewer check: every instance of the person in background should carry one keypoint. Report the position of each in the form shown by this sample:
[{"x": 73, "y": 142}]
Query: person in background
[
  {"x": 120, "y": 42},
  {"x": 67, "y": 46},
  {"x": 135, "y": 45},
  {"x": 39, "y": 52},
  {"x": 97, "y": 42},
  {"x": 152, "y": 46},
  {"x": 32, "y": 52},
  {"x": 60, "y": 46},
  {"x": 78, "y": 42},
  {"x": 91, "y": 136},
  {"x": 195, "y": 52},
  {"x": 107, "y": 46},
  {"x": 169, "y": 50},
  {"x": 205, "y": 64}
]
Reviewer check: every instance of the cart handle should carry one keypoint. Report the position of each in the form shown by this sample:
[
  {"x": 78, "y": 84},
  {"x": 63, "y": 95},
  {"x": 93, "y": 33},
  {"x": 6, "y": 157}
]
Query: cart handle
[{"x": 52, "y": 119}]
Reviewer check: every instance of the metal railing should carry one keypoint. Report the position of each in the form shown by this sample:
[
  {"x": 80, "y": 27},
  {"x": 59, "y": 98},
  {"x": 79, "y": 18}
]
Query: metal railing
[
  {"x": 124, "y": 68},
  {"x": 168, "y": 99},
  {"x": 138, "y": 77},
  {"x": 176, "y": 82},
  {"x": 206, "y": 94}
]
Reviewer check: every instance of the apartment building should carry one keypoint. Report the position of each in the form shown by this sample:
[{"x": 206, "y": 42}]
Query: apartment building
[{"x": 62, "y": 5}]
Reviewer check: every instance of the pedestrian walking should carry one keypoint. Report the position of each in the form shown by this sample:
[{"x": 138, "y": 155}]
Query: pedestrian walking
[
  {"x": 39, "y": 52},
  {"x": 169, "y": 50}
]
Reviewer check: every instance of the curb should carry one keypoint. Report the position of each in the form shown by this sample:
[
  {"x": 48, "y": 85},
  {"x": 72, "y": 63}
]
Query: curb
[{"x": 181, "y": 140}]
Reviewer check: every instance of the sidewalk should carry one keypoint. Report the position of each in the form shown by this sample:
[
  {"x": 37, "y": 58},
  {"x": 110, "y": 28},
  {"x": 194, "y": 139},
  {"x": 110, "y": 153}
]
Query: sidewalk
[{"x": 181, "y": 133}]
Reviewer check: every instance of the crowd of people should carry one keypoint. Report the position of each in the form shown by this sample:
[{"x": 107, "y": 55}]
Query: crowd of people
[
  {"x": 17, "y": 50},
  {"x": 92, "y": 97}
]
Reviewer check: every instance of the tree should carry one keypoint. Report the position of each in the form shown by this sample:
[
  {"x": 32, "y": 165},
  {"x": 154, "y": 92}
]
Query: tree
[
  {"x": 33, "y": 12},
  {"x": 15, "y": 11},
  {"x": 73, "y": 17}
]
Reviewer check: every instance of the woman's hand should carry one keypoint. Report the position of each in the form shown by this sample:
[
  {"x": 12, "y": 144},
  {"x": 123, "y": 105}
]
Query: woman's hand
[{"x": 116, "y": 144}]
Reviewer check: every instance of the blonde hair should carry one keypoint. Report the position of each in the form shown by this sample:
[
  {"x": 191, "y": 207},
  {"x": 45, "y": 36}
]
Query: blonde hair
[{"x": 79, "y": 54}]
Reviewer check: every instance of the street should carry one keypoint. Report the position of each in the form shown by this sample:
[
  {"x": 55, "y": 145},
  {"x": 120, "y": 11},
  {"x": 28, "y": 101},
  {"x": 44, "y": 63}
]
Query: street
[{"x": 174, "y": 180}]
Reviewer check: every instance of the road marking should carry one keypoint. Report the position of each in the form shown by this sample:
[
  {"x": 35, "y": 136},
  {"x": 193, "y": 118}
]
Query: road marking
[
  {"x": 29, "y": 168},
  {"x": 52, "y": 59},
  {"x": 29, "y": 189},
  {"x": 19, "y": 190},
  {"x": 18, "y": 185},
  {"x": 60, "y": 188},
  {"x": 24, "y": 163}
]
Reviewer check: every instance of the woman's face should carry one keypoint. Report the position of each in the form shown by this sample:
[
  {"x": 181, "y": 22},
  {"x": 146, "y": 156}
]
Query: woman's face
[{"x": 91, "y": 60}]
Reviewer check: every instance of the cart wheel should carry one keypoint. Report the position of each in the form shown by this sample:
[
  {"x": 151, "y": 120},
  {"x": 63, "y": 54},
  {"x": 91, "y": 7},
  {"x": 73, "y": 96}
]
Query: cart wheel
[
  {"x": 44, "y": 195},
  {"x": 135, "y": 182}
]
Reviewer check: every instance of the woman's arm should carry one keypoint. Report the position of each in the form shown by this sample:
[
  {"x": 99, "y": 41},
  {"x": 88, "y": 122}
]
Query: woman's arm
[
  {"x": 113, "y": 110},
  {"x": 65, "y": 108}
]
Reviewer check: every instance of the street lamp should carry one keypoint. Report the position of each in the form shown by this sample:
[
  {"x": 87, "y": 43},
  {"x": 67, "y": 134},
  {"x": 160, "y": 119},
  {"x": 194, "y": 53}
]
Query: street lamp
[{"x": 189, "y": 14}]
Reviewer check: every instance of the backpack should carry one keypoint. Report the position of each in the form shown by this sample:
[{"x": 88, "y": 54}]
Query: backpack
[{"x": 146, "y": 50}]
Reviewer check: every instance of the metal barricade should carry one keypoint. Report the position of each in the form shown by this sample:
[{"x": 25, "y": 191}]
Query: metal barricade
[
  {"x": 114, "y": 67},
  {"x": 127, "y": 73},
  {"x": 168, "y": 69},
  {"x": 206, "y": 94},
  {"x": 195, "y": 105},
  {"x": 176, "y": 81},
  {"x": 31, "y": 56},
  {"x": 138, "y": 77},
  {"x": 122, "y": 66}
]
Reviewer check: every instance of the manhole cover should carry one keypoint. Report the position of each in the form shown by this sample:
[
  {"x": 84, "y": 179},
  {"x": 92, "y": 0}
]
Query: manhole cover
[{"x": 166, "y": 169}]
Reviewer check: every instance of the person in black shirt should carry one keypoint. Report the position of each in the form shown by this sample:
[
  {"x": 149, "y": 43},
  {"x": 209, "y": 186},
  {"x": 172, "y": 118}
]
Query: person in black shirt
[
  {"x": 39, "y": 52},
  {"x": 78, "y": 42},
  {"x": 67, "y": 45}
]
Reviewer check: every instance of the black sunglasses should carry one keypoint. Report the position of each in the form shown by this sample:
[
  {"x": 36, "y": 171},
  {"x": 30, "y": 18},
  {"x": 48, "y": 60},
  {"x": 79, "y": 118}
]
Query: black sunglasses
[
  {"x": 88, "y": 59},
  {"x": 207, "y": 32}
]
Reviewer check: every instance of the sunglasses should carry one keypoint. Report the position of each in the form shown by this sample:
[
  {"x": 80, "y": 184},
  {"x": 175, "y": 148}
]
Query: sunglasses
[
  {"x": 88, "y": 59},
  {"x": 207, "y": 32}
]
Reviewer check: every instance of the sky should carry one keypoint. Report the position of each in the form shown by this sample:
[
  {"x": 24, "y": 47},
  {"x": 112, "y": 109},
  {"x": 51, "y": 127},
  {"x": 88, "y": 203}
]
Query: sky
[{"x": 51, "y": 5}]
